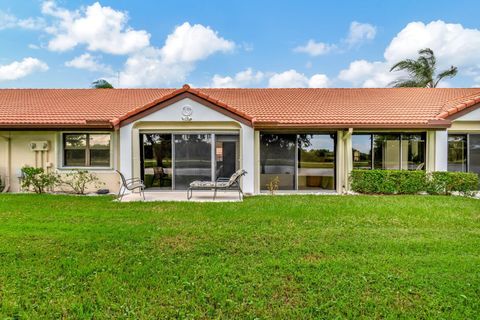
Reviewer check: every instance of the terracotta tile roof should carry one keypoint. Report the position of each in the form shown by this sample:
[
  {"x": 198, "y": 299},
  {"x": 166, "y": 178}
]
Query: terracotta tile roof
[
  {"x": 385, "y": 107},
  {"x": 70, "y": 107}
]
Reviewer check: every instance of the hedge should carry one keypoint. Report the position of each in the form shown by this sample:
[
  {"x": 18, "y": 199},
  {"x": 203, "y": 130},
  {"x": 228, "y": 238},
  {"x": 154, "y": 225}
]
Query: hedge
[{"x": 413, "y": 182}]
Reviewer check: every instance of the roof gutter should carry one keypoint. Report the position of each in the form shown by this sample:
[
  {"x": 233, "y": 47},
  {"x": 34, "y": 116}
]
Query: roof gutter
[
  {"x": 432, "y": 124},
  {"x": 58, "y": 126}
]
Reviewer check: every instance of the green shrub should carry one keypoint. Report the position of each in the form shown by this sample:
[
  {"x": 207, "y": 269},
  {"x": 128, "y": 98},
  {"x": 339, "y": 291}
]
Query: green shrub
[
  {"x": 440, "y": 182},
  {"x": 412, "y": 182},
  {"x": 388, "y": 181},
  {"x": 37, "y": 179},
  {"x": 79, "y": 180}
]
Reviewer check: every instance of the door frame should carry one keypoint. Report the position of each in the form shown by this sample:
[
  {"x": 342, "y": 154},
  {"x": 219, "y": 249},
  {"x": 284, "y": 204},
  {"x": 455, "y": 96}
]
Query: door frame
[{"x": 212, "y": 134}]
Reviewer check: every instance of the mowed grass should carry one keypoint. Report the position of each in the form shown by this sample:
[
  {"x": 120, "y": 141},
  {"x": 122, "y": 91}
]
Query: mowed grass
[{"x": 268, "y": 257}]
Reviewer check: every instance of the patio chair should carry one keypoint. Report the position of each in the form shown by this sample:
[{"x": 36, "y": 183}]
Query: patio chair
[
  {"x": 160, "y": 174},
  {"x": 130, "y": 185},
  {"x": 232, "y": 183}
]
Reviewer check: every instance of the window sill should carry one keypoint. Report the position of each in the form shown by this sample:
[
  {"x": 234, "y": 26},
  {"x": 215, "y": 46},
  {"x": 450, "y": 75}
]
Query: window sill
[{"x": 109, "y": 169}]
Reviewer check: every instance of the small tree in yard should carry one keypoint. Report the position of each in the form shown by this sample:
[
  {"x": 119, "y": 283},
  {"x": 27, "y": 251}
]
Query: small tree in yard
[
  {"x": 79, "y": 180},
  {"x": 39, "y": 180}
]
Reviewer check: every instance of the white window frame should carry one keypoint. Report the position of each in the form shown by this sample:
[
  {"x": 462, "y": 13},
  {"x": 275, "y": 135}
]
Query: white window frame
[{"x": 61, "y": 148}]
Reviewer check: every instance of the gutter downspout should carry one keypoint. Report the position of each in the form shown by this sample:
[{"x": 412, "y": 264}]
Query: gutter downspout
[{"x": 9, "y": 164}]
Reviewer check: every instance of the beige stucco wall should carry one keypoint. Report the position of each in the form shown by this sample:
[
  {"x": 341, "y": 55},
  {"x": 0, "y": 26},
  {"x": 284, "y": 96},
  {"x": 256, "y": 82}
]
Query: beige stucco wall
[
  {"x": 21, "y": 155},
  {"x": 171, "y": 119},
  {"x": 465, "y": 127}
]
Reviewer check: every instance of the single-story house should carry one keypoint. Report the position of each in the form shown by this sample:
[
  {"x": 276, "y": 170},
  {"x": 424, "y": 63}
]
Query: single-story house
[{"x": 309, "y": 138}]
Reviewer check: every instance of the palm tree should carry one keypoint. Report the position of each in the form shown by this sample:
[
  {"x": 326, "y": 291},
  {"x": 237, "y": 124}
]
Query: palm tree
[
  {"x": 421, "y": 71},
  {"x": 101, "y": 84}
]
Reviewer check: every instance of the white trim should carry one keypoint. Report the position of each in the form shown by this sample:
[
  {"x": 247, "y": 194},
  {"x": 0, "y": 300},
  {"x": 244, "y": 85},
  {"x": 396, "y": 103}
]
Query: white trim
[{"x": 441, "y": 150}]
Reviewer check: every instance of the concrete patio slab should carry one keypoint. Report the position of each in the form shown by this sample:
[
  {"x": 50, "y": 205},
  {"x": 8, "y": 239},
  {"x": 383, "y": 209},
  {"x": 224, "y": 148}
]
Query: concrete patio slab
[{"x": 198, "y": 196}]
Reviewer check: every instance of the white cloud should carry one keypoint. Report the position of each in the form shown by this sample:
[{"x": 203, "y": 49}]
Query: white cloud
[
  {"x": 104, "y": 29},
  {"x": 99, "y": 28},
  {"x": 318, "y": 81},
  {"x": 314, "y": 48},
  {"x": 368, "y": 74},
  {"x": 294, "y": 79},
  {"x": 20, "y": 69},
  {"x": 88, "y": 62},
  {"x": 360, "y": 32},
  {"x": 288, "y": 79},
  {"x": 189, "y": 43},
  {"x": 147, "y": 68},
  {"x": 452, "y": 44},
  {"x": 9, "y": 21},
  {"x": 244, "y": 78},
  {"x": 172, "y": 63}
]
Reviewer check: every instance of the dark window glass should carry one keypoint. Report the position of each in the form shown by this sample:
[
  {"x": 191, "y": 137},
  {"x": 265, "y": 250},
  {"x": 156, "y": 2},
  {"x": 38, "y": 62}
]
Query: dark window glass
[
  {"x": 277, "y": 159},
  {"x": 386, "y": 151},
  {"x": 316, "y": 161},
  {"x": 193, "y": 159},
  {"x": 227, "y": 150},
  {"x": 75, "y": 147},
  {"x": 362, "y": 151},
  {"x": 86, "y": 150},
  {"x": 457, "y": 152},
  {"x": 413, "y": 151},
  {"x": 157, "y": 160},
  {"x": 99, "y": 145},
  {"x": 474, "y": 163}
]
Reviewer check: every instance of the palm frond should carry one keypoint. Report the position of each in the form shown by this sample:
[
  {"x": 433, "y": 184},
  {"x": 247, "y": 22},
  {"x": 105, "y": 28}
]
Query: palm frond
[
  {"x": 428, "y": 54},
  {"x": 449, "y": 73},
  {"x": 421, "y": 72},
  {"x": 406, "y": 83},
  {"x": 407, "y": 64}
]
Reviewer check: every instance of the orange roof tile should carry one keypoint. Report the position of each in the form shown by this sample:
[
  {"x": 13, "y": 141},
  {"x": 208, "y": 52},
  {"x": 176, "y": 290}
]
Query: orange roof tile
[{"x": 382, "y": 107}]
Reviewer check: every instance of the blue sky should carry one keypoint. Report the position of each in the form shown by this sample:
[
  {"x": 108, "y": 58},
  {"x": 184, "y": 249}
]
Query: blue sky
[{"x": 231, "y": 43}]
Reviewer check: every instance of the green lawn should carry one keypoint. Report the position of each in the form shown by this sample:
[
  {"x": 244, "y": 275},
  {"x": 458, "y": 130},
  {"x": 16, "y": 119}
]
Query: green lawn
[{"x": 268, "y": 257}]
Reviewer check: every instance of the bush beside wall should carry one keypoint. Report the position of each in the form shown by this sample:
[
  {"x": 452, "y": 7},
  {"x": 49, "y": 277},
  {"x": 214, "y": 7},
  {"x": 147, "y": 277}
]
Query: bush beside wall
[
  {"x": 447, "y": 182},
  {"x": 412, "y": 182}
]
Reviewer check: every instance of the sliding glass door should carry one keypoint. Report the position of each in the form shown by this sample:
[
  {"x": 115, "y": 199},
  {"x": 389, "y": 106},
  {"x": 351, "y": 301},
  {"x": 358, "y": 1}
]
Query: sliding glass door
[
  {"x": 277, "y": 160},
  {"x": 474, "y": 153},
  {"x": 156, "y": 160},
  {"x": 316, "y": 162},
  {"x": 386, "y": 149},
  {"x": 457, "y": 152},
  {"x": 464, "y": 152},
  {"x": 193, "y": 159},
  {"x": 227, "y": 151},
  {"x": 172, "y": 161},
  {"x": 298, "y": 161}
]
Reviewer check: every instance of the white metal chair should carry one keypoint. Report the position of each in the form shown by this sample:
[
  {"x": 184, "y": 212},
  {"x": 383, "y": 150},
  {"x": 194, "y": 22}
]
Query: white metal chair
[{"x": 130, "y": 185}]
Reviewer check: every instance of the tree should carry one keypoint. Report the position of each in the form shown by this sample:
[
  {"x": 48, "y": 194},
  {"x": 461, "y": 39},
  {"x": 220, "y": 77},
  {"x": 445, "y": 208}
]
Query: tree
[
  {"x": 422, "y": 71},
  {"x": 101, "y": 84}
]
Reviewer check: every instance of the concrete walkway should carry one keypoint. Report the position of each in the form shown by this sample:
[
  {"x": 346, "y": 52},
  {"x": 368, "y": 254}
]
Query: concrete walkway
[{"x": 198, "y": 196}]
